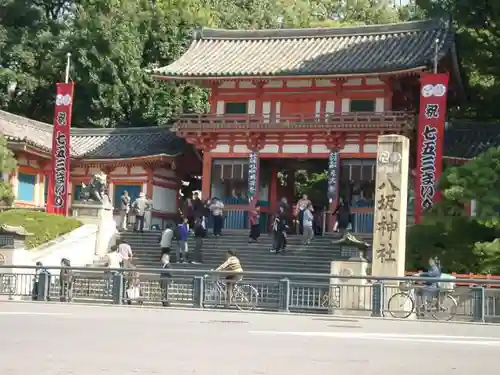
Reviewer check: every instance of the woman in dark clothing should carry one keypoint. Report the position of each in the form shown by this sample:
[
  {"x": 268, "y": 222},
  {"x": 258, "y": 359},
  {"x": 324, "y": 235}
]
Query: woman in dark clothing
[
  {"x": 280, "y": 227},
  {"x": 343, "y": 213}
]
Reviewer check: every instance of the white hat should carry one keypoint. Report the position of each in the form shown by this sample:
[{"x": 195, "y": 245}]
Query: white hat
[{"x": 142, "y": 194}]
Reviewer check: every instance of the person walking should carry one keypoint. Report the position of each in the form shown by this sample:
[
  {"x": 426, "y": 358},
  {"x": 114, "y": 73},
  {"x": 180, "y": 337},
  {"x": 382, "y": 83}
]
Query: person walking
[
  {"x": 254, "y": 218},
  {"x": 199, "y": 233},
  {"x": 279, "y": 232},
  {"x": 343, "y": 213},
  {"x": 141, "y": 205},
  {"x": 181, "y": 254},
  {"x": 125, "y": 252},
  {"x": 66, "y": 279},
  {"x": 166, "y": 239},
  {"x": 113, "y": 260},
  {"x": 124, "y": 211},
  {"x": 307, "y": 224},
  {"x": 302, "y": 204},
  {"x": 165, "y": 277},
  {"x": 217, "y": 209}
]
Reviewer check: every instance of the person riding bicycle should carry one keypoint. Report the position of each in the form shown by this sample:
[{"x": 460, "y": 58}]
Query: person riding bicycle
[
  {"x": 431, "y": 287},
  {"x": 232, "y": 264}
]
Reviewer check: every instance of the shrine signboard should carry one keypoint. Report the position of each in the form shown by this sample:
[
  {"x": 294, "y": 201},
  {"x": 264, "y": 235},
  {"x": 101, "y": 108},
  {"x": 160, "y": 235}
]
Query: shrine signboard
[{"x": 391, "y": 195}]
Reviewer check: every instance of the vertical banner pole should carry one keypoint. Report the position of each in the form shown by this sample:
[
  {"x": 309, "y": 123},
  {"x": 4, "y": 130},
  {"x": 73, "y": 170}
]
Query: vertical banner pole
[
  {"x": 252, "y": 178},
  {"x": 430, "y": 143},
  {"x": 332, "y": 188},
  {"x": 68, "y": 64},
  {"x": 58, "y": 191}
]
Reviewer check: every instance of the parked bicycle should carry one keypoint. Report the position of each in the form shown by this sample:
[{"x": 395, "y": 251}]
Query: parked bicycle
[
  {"x": 245, "y": 297},
  {"x": 413, "y": 299}
]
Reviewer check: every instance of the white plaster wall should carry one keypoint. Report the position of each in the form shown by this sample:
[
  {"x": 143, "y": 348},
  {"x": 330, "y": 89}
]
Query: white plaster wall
[
  {"x": 93, "y": 171},
  {"x": 221, "y": 148},
  {"x": 119, "y": 170},
  {"x": 164, "y": 199},
  {"x": 137, "y": 170},
  {"x": 251, "y": 107}
]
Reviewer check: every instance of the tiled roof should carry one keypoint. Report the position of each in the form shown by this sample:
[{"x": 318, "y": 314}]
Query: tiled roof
[
  {"x": 320, "y": 51},
  {"x": 95, "y": 143},
  {"x": 467, "y": 140}
]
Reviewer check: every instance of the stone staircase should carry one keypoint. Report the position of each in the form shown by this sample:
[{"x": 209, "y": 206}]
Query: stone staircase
[{"x": 314, "y": 258}]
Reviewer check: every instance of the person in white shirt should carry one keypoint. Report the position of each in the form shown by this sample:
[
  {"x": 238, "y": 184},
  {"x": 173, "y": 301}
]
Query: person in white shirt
[
  {"x": 217, "y": 209},
  {"x": 307, "y": 224},
  {"x": 166, "y": 239},
  {"x": 125, "y": 252},
  {"x": 113, "y": 260}
]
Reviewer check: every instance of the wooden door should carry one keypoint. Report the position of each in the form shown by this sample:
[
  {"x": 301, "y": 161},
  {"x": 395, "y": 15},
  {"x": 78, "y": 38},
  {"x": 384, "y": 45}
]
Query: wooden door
[{"x": 295, "y": 107}]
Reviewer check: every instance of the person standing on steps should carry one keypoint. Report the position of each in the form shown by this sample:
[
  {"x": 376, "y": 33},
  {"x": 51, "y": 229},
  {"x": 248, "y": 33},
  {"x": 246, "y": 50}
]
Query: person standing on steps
[
  {"x": 307, "y": 224},
  {"x": 302, "y": 204},
  {"x": 166, "y": 239},
  {"x": 124, "y": 211},
  {"x": 199, "y": 233},
  {"x": 141, "y": 205},
  {"x": 217, "y": 209},
  {"x": 125, "y": 252},
  {"x": 182, "y": 241},
  {"x": 254, "y": 218},
  {"x": 279, "y": 232},
  {"x": 343, "y": 213}
]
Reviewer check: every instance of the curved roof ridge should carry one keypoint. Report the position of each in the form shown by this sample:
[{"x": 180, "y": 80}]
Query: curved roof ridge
[
  {"x": 20, "y": 120},
  {"x": 319, "y": 32},
  {"x": 119, "y": 131}
]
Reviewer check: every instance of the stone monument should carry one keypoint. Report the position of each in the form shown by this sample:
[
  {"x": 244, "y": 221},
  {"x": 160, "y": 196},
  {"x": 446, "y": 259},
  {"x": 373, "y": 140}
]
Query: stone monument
[
  {"x": 96, "y": 208},
  {"x": 389, "y": 222},
  {"x": 391, "y": 196}
]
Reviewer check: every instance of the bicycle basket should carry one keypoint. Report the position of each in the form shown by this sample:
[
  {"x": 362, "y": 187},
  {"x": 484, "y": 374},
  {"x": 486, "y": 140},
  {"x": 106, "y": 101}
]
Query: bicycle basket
[{"x": 405, "y": 286}]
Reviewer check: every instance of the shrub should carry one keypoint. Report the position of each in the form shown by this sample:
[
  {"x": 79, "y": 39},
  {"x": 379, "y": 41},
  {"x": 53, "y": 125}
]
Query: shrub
[{"x": 44, "y": 227}]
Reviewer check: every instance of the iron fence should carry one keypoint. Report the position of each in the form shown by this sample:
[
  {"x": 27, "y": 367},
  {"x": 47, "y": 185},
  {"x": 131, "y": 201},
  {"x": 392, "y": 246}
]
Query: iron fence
[{"x": 322, "y": 293}]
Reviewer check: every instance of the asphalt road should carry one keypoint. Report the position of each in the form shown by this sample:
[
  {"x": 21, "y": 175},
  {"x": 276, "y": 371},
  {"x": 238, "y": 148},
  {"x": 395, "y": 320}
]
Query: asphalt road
[{"x": 45, "y": 339}]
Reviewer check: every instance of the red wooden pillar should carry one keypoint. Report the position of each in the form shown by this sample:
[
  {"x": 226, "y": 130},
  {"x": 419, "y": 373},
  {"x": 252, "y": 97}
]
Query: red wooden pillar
[
  {"x": 206, "y": 175},
  {"x": 273, "y": 189}
]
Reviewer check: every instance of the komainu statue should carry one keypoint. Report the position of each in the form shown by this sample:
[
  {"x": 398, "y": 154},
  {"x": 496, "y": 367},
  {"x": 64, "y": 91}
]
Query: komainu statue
[{"x": 96, "y": 189}]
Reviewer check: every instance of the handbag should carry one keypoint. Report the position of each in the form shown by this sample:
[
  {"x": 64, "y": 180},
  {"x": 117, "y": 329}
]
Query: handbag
[{"x": 133, "y": 292}]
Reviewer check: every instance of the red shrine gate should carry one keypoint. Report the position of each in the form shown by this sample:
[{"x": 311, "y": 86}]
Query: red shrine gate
[{"x": 322, "y": 95}]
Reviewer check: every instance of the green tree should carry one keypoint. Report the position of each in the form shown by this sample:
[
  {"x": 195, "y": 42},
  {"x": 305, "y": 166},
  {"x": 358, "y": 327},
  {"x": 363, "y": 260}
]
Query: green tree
[
  {"x": 465, "y": 244},
  {"x": 478, "y": 29},
  {"x": 7, "y": 165},
  {"x": 114, "y": 42}
]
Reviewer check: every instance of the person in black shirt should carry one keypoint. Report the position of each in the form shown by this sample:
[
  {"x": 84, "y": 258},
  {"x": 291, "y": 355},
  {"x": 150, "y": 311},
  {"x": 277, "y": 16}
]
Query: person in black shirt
[
  {"x": 199, "y": 233},
  {"x": 280, "y": 227}
]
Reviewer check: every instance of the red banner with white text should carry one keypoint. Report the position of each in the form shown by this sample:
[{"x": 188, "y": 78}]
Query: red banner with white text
[
  {"x": 430, "y": 144},
  {"x": 57, "y": 199}
]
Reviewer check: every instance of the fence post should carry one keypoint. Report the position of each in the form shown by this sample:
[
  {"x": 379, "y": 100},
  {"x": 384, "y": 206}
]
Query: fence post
[
  {"x": 284, "y": 295},
  {"x": 478, "y": 303},
  {"x": 198, "y": 291},
  {"x": 377, "y": 299},
  {"x": 118, "y": 288},
  {"x": 43, "y": 290}
]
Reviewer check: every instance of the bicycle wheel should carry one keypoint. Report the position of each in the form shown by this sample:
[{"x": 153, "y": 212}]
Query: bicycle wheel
[
  {"x": 214, "y": 296},
  {"x": 401, "y": 305},
  {"x": 446, "y": 309},
  {"x": 245, "y": 297}
]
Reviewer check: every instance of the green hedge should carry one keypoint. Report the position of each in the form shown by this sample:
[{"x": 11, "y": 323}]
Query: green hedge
[{"x": 44, "y": 227}]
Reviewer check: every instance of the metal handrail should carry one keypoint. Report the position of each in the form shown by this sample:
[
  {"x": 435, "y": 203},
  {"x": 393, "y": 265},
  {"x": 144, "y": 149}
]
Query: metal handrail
[{"x": 272, "y": 275}]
